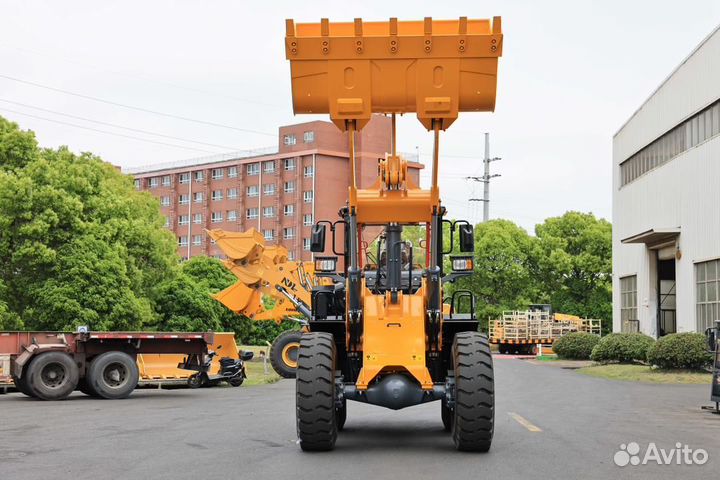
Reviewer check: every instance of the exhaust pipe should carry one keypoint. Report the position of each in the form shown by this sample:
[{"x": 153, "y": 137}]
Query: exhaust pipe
[{"x": 394, "y": 391}]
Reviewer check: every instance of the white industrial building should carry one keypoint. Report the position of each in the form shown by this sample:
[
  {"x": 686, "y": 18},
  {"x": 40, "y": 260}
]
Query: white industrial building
[{"x": 666, "y": 203}]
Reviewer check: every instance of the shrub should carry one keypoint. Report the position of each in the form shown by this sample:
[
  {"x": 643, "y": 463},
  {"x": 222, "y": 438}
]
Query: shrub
[
  {"x": 576, "y": 345},
  {"x": 622, "y": 347},
  {"x": 680, "y": 350}
]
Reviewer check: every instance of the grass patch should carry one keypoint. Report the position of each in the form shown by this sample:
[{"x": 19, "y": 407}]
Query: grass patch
[
  {"x": 547, "y": 358},
  {"x": 256, "y": 374},
  {"x": 646, "y": 374}
]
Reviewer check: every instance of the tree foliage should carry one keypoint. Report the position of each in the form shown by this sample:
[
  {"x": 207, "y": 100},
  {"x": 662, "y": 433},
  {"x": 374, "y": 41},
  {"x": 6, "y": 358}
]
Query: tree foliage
[{"x": 79, "y": 245}]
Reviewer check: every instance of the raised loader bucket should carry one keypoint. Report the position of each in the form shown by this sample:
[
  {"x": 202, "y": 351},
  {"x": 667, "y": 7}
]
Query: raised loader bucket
[{"x": 436, "y": 68}]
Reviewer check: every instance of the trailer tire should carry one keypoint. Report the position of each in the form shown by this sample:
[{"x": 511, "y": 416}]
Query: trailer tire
[
  {"x": 474, "y": 412},
  {"x": 22, "y": 385},
  {"x": 113, "y": 375},
  {"x": 85, "y": 388},
  {"x": 315, "y": 392},
  {"x": 52, "y": 376},
  {"x": 284, "y": 353}
]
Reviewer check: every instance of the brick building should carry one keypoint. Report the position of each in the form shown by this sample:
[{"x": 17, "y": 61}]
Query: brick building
[{"x": 279, "y": 193}]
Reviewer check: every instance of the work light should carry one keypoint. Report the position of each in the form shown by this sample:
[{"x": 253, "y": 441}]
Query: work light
[
  {"x": 462, "y": 264},
  {"x": 325, "y": 264}
]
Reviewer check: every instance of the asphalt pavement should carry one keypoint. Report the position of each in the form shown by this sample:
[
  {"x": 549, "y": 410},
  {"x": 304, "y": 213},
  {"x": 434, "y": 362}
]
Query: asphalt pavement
[{"x": 550, "y": 423}]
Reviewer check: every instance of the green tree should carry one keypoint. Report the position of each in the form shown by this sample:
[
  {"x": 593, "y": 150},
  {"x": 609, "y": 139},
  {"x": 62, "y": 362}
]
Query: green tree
[
  {"x": 505, "y": 268},
  {"x": 79, "y": 245},
  {"x": 575, "y": 265}
]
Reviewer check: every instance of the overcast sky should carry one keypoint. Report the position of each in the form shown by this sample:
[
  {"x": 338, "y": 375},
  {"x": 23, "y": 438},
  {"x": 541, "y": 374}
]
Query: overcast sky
[{"x": 571, "y": 73}]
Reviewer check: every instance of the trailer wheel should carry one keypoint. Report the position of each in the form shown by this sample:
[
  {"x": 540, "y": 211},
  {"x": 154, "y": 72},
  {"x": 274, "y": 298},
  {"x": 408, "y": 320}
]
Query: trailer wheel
[
  {"x": 52, "y": 376},
  {"x": 85, "y": 388},
  {"x": 22, "y": 385},
  {"x": 284, "y": 353},
  {"x": 447, "y": 416},
  {"x": 113, "y": 375},
  {"x": 474, "y": 412},
  {"x": 315, "y": 392}
]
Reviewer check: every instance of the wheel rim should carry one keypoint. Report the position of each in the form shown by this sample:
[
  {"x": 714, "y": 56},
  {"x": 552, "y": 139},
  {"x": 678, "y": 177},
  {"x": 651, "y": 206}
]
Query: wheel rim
[
  {"x": 115, "y": 375},
  {"x": 53, "y": 375},
  {"x": 290, "y": 354}
]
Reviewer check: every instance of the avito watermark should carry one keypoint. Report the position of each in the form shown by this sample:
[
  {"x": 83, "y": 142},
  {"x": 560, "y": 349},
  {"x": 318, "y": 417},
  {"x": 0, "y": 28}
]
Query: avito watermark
[{"x": 629, "y": 454}]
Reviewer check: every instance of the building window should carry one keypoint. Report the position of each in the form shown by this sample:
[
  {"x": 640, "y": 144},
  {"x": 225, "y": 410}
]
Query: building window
[
  {"x": 251, "y": 213},
  {"x": 309, "y": 137},
  {"x": 153, "y": 182},
  {"x": 183, "y": 241},
  {"x": 252, "y": 191},
  {"x": 308, "y": 171},
  {"x": 289, "y": 139},
  {"x": 167, "y": 222},
  {"x": 291, "y": 255},
  {"x": 137, "y": 184},
  {"x": 707, "y": 277},
  {"x": 693, "y": 131},
  {"x": 183, "y": 199},
  {"x": 628, "y": 304},
  {"x": 253, "y": 169},
  {"x": 216, "y": 217},
  {"x": 217, "y": 195},
  {"x": 184, "y": 178},
  {"x": 232, "y": 193},
  {"x": 231, "y": 215},
  {"x": 269, "y": 189},
  {"x": 289, "y": 187},
  {"x": 289, "y": 210},
  {"x": 269, "y": 234},
  {"x": 288, "y": 233},
  {"x": 218, "y": 173},
  {"x": 306, "y": 244},
  {"x": 183, "y": 220},
  {"x": 268, "y": 212},
  {"x": 307, "y": 220},
  {"x": 198, "y": 197},
  {"x": 197, "y": 240},
  {"x": 308, "y": 197},
  {"x": 165, "y": 201},
  {"x": 199, "y": 176},
  {"x": 232, "y": 172},
  {"x": 198, "y": 218},
  {"x": 289, "y": 164},
  {"x": 269, "y": 167},
  {"x": 166, "y": 180}
]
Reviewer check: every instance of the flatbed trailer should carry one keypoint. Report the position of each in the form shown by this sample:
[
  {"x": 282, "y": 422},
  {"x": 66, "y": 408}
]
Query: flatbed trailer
[{"x": 51, "y": 365}]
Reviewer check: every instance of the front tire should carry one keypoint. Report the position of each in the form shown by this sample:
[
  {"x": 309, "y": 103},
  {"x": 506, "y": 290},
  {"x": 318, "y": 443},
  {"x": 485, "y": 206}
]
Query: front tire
[
  {"x": 284, "y": 353},
  {"x": 315, "y": 392},
  {"x": 474, "y": 413},
  {"x": 113, "y": 375},
  {"x": 52, "y": 376}
]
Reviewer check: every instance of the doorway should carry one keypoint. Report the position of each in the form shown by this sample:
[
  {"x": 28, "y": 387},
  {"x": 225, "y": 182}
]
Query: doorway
[{"x": 667, "y": 319}]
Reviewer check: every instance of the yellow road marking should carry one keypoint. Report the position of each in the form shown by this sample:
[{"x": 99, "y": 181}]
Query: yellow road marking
[{"x": 525, "y": 423}]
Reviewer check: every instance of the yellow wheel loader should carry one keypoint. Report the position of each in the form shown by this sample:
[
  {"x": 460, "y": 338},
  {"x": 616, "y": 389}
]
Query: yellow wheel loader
[
  {"x": 265, "y": 271},
  {"x": 382, "y": 335}
]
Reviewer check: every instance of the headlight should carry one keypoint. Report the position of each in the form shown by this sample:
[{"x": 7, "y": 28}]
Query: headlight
[
  {"x": 462, "y": 264},
  {"x": 325, "y": 264}
]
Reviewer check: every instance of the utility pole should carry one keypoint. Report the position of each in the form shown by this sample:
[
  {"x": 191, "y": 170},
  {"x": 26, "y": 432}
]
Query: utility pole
[{"x": 485, "y": 179}]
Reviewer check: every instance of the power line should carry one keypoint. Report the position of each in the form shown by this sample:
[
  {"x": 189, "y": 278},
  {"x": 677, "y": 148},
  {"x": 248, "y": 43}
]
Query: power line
[
  {"x": 130, "y": 107},
  {"x": 141, "y": 77},
  {"x": 104, "y": 131},
  {"x": 118, "y": 126}
]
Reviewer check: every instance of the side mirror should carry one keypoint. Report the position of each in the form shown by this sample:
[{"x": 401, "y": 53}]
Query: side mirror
[
  {"x": 317, "y": 238},
  {"x": 246, "y": 356},
  {"x": 467, "y": 239}
]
